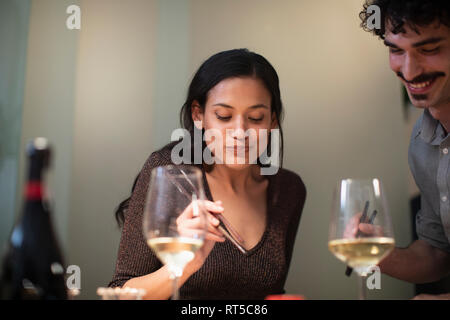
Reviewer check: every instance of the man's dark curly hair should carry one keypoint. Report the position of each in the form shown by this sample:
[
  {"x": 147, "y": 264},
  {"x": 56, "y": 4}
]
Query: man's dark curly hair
[{"x": 413, "y": 13}]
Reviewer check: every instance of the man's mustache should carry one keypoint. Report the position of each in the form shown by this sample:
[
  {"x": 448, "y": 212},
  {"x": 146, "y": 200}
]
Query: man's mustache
[{"x": 423, "y": 77}]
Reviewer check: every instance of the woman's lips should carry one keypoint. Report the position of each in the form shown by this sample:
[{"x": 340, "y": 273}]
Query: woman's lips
[{"x": 238, "y": 150}]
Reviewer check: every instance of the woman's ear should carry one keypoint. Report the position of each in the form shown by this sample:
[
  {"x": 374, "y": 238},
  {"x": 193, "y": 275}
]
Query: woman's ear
[{"x": 197, "y": 114}]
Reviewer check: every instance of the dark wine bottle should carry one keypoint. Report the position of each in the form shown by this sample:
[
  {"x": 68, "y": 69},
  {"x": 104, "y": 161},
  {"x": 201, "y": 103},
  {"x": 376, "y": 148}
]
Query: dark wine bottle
[{"x": 33, "y": 264}]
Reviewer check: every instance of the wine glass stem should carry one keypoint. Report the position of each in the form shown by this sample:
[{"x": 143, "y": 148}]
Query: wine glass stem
[
  {"x": 175, "y": 292},
  {"x": 362, "y": 293}
]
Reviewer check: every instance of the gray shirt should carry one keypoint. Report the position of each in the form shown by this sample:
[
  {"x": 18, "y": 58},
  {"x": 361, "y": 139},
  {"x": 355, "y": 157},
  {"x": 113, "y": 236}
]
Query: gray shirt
[{"x": 429, "y": 160}]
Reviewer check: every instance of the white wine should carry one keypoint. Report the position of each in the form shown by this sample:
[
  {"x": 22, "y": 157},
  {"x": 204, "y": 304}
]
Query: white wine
[
  {"x": 175, "y": 252},
  {"x": 361, "y": 253}
]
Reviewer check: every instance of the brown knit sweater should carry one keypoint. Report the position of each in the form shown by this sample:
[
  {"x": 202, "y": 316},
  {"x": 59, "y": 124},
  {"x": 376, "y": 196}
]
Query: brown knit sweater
[{"x": 227, "y": 273}]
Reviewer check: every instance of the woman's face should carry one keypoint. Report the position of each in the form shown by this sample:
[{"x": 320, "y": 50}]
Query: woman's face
[{"x": 237, "y": 118}]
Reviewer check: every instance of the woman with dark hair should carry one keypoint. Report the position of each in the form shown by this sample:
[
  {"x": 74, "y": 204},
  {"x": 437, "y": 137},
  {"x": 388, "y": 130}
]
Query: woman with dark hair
[{"x": 233, "y": 92}]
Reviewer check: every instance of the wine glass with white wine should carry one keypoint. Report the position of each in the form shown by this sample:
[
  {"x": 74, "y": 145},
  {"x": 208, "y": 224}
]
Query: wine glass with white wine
[
  {"x": 360, "y": 232},
  {"x": 175, "y": 200}
]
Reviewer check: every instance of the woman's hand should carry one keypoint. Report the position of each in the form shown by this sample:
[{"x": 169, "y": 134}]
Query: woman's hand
[
  {"x": 189, "y": 224},
  {"x": 158, "y": 284}
]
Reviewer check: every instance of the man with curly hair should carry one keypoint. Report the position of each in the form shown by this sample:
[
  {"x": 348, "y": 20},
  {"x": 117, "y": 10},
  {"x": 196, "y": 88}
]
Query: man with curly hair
[{"x": 417, "y": 33}]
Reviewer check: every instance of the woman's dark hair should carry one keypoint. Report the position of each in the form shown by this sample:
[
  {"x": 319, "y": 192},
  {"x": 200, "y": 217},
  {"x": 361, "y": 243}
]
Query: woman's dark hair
[
  {"x": 413, "y": 13},
  {"x": 123, "y": 206},
  {"x": 235, "y": 63}
]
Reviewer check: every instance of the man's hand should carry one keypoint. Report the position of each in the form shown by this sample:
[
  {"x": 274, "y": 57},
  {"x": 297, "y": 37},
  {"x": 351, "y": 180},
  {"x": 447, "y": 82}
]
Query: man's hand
[
  {"x": 419, "y": 263},
  {"x": 367, "y": 230}
]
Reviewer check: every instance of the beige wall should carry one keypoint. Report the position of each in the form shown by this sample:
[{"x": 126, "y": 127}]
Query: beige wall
[
  {"x": 172, "y": 73},
  {"x": 112, "y": 127},
  {"x": 123, "y": 79}
]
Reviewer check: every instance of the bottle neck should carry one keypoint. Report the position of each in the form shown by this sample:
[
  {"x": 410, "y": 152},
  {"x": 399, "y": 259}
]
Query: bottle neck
[{"x": 34, "y": 188}]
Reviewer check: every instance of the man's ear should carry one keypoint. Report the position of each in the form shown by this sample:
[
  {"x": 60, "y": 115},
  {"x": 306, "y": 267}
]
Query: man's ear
[
  {"x": 274, "y": 123},
  {"x": 197, "y": 114}
]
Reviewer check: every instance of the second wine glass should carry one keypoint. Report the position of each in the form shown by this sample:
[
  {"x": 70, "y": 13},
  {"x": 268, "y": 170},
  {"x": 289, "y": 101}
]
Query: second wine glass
[{"x": 360, "y": 233}]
